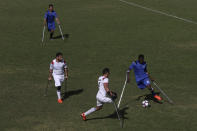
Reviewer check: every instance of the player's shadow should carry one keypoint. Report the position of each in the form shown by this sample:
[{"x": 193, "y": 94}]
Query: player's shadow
[
  {"x": 60, "y": 36},
  {"x": 122, "y": 114},
  {"x": 71, "y": 93},
  {"x": 149, "y": 97}
]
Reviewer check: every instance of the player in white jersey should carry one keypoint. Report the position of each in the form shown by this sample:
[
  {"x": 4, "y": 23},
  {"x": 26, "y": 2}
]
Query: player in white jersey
[
  {"x": 103, "y": 85},
  {"x": 59, "y": 72}
]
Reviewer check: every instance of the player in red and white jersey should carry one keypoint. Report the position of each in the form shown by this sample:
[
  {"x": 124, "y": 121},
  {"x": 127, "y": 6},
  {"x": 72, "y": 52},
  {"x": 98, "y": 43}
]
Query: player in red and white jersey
[
  {"x": 59, "y": 72},
  {"x": 103, "y": 83}
]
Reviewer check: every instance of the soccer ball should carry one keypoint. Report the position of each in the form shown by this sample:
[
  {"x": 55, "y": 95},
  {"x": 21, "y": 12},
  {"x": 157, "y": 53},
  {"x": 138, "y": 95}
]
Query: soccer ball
[{"x": 145, "y": 104}]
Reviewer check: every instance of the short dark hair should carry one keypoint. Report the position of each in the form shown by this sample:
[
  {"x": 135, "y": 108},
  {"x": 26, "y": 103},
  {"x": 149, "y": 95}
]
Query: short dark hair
[
  {"x": 58, "y": 54},
  {"x": 50, "y": 5},
  {"x": 106, "y": 70},
  {"x": 141, "y": 56}
]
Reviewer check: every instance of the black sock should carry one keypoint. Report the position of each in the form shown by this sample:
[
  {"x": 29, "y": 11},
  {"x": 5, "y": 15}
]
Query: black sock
[
  {"x": 51, "y": 35},
  {"x": 153, "y": 93}
]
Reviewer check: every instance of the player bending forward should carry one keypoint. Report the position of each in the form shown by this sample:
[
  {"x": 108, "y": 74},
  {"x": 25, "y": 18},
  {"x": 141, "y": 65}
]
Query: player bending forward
[
  {"x": 103, "y": 83},
  {"x": 58, "y": 69},
  {"x": 49, "y": 19},
  {"x": 141, "y": 75}
]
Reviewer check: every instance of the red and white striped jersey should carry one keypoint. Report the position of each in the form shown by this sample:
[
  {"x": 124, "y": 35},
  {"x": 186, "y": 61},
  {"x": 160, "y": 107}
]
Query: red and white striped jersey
[{"x": 58, "y": 67}]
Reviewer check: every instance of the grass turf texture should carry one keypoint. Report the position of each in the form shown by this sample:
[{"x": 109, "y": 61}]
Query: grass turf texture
[{"x": 103, "y": 33}]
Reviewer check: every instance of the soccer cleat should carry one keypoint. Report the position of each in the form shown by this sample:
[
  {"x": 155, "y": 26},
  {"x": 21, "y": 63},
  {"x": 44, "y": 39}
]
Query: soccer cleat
[
  {"x": 60, "y": 101},
  {"x": 83, "y": 116},
  {"x": 157, "y": 97}
]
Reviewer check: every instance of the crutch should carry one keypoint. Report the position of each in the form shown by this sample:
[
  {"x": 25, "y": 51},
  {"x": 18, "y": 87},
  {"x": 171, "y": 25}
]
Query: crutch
[
  {"x": 65, "y": 87},
  {"x": 46, "y": 89},
  {"x": 125, "y": 83},
  {"x": 43, "y": 34},
  {"x": 61, "y": 32}
]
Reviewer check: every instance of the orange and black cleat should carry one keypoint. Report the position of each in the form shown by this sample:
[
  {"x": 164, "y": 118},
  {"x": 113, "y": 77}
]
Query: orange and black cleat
[
  {"x": 157, "y": 97},
  {"x": 83, "y": 116},
  {"x": 60, "y": 101}
]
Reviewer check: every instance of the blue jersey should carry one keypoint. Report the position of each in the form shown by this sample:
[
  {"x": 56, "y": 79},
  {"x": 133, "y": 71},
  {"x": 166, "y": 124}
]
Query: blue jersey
[
  {"x": 50, "y": 17},
  {"x": 140, "y": 70}
]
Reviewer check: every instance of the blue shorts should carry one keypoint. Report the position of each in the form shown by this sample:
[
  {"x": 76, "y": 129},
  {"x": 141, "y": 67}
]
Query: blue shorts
[
  {"x": 143, "y": 83},
  {"x": 51, "y": 26}
]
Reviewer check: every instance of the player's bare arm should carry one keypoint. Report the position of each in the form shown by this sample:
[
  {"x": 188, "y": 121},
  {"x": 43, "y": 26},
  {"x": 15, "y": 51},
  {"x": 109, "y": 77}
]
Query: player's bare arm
[
  {"x": 58, "y": 21},
  {"x": 50, "y": 74},
  {"x": 106, "y": 86},
  {"x": 66, "y": 73},
  {"x": 45, "y": 21},
  {"x": 151, "y": 78}
]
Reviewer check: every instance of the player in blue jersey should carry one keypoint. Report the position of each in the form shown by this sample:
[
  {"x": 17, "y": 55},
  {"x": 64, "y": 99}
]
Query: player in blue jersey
[
  {"x": 49, "y": 20},
  {"x": 141, "y": 75}
]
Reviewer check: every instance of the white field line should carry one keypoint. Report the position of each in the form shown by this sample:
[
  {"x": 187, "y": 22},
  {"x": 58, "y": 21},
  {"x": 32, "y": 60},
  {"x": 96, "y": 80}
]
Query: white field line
[{"x": 158, "y": 12}]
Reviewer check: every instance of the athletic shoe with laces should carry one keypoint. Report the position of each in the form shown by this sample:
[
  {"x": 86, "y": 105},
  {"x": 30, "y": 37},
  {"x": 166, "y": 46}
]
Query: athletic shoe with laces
[
  {"x": 60, "y": 101},
  {"x": 157, "y": 97},
  {"x": 83, "y": 116}
]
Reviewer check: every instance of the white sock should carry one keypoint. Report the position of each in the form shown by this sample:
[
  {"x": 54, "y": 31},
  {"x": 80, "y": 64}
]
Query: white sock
[
  {"x": 93, "y": 109},
  {"x": 59, "y": 94}
]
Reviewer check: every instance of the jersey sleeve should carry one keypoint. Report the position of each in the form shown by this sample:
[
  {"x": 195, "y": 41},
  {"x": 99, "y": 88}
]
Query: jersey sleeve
[
  {"x": 106, "y": 80},
  {"x": 51, "y": 65},
  {"x": 132, "y": 66},
  {"x": 45, "y": 16}
]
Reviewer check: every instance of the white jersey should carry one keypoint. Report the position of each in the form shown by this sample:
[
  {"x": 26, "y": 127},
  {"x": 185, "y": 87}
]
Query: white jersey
[
  {"x": 101, "y": 81},
  {"x": 58, "y": 67}
]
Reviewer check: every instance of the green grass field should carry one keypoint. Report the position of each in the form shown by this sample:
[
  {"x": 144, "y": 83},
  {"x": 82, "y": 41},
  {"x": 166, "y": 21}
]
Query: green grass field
[{"x": 103, "y": 33}]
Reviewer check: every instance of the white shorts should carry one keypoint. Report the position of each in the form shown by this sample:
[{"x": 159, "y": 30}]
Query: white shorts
[
  {"x": 102, "y": 100},
  {"x": 59, "y": 79}
]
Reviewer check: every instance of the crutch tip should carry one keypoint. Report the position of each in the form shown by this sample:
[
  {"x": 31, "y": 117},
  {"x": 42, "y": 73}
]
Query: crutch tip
[{"x": 172, "y": 102}]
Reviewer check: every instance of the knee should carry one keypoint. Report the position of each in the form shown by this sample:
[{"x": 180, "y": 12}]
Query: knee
[
  {"x": 58, "y": 88},
  {"x": 99, "y": 108},
  {"x": 148, "y": 86}
]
